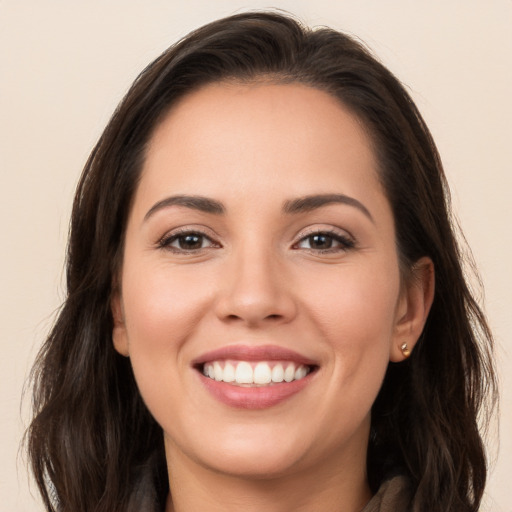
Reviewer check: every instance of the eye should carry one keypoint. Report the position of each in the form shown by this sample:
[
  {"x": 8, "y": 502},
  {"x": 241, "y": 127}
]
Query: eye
[
  {"x": 186, "y": 241},
  {"x": 323, "y": 241}
]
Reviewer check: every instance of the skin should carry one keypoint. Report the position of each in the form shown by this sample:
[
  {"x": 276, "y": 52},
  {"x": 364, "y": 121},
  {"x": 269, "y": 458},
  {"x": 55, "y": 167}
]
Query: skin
[{"x": 257, "y": 278}]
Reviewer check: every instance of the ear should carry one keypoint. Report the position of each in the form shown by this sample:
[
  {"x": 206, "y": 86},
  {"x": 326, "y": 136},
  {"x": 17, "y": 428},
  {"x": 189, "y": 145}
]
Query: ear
[
  {"x": 119, "y": 335},
  {"x": 413, "y": 308}
]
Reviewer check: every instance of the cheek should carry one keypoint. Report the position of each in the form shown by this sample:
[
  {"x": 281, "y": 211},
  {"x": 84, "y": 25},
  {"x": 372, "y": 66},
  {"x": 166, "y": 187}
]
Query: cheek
[
  {"x": 355, "y": 312},
  {"x": 356, "y": 306},
  {"x": 162, "y": 307},
  {"x": 163, "y": 310}
]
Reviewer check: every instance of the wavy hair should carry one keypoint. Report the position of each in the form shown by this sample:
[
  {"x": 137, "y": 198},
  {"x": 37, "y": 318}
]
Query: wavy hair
[{"x": 93, "y": 445}]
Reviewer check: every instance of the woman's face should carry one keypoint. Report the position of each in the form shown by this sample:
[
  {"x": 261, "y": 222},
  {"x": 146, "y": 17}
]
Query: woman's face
[{"x": 260, "y": 247}]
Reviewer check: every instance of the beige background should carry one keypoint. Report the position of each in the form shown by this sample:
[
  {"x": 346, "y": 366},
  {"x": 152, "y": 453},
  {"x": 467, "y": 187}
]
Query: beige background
[{"x": 64, "y": 66}]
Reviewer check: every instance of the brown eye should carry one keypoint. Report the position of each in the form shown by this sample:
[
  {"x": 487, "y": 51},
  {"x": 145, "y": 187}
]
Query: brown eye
[
  {"x": 189, "y": 241},
  {"x": 320, "y": 241},
  {"x": 325, "y": 242}
]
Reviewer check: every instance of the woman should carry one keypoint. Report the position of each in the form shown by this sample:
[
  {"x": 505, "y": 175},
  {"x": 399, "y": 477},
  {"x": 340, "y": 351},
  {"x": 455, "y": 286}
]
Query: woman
[{"x": 266, "y": 307}]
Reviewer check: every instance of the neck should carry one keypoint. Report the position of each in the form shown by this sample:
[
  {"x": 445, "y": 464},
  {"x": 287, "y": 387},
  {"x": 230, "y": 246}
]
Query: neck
[{"x": 329, "y": 487}]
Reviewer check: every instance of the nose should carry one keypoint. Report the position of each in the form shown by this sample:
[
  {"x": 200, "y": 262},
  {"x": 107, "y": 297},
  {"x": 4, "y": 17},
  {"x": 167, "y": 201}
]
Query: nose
[{"x": 255, "y": 290}]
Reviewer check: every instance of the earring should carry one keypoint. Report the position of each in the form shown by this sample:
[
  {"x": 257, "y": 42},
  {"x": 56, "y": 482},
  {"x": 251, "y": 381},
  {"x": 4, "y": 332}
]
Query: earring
[{"x": 405, "y": 350}]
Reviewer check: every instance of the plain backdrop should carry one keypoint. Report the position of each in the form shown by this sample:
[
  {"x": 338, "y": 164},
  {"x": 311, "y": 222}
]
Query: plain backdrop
[{"x": 64, "y": 65}]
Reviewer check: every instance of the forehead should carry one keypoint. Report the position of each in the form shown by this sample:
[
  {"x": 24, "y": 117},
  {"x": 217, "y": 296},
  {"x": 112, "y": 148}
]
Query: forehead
[{"x": 259, "y": 138}]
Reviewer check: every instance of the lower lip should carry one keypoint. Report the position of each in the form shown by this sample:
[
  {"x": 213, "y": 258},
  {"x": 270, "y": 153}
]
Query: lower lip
[{"x": 254, "y": 397}]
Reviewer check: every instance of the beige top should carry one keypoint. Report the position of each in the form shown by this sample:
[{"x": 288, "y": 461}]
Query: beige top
[{"x": 393, "y": 496}]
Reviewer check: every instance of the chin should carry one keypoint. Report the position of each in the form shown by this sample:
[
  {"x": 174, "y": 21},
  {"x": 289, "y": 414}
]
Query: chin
[
  {"x": 249, "y": 452},
  {"x": 255, "y": 464}
]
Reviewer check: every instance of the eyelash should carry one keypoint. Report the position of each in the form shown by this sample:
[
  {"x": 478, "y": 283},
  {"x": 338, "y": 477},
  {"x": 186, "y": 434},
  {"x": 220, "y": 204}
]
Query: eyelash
[
  {"x": 345, "y": 243},
  {"x": 166, "y": 241}
]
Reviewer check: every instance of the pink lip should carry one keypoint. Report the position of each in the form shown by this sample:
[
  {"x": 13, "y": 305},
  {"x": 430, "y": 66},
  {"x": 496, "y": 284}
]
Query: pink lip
[
  {"x": 253, "y": 397},
  {"x": 253, "y": 353}
]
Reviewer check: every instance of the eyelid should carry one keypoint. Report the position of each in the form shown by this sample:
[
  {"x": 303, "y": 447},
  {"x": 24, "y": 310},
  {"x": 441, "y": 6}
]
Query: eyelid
[
  {"x": 326, "y": 229},
  {"x": 342, "y": 236},
  {"x": 164, "y": 241}
]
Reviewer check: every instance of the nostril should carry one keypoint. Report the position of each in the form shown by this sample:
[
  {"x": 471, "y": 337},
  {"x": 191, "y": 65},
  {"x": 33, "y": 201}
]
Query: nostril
[
  {"x": 252, "y": 306},
  {"x": 268, "y": 317}
]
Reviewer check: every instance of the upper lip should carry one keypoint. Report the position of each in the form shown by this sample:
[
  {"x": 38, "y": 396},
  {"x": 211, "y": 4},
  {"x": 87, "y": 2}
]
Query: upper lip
[{"x": 253, "y": 353}]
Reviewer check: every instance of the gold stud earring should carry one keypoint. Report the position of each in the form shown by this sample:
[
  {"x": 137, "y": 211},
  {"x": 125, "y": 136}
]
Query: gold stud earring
[{"x": 405, "y": 350}]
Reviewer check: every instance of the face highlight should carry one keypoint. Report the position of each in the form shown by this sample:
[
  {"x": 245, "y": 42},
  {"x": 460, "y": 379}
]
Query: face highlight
[{"x": 260, "y": 297}]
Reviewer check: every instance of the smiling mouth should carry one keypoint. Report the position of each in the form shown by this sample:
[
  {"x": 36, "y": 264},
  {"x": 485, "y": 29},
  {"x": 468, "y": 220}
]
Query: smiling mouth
[
  {"x": 255, "y": 373},
  {"x": 254, "y": 377}
]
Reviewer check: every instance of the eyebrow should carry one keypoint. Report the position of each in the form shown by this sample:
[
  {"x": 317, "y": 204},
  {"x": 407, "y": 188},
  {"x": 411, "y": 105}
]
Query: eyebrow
[
  {"x": 308, "y": 203},
  {"x": 203, "y": 204},
  {"x": 292, "y": 206}
]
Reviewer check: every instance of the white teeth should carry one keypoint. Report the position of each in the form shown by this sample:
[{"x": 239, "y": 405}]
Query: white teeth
[
  {"x": 261, "y": 373},
  {"x": 244, "y": 373},
  {"x": 278, "y": 373},
  {"x": 300, "y": 372},
  {"x": 218, "y": 374},
  {"x": 229, "y": 373},
  {"x": 289, "y": 373}
]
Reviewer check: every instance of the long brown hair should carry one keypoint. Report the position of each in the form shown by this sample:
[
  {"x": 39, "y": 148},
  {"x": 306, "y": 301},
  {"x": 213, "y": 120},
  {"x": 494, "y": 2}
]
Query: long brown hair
[{"x": 93, "y": 445}]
